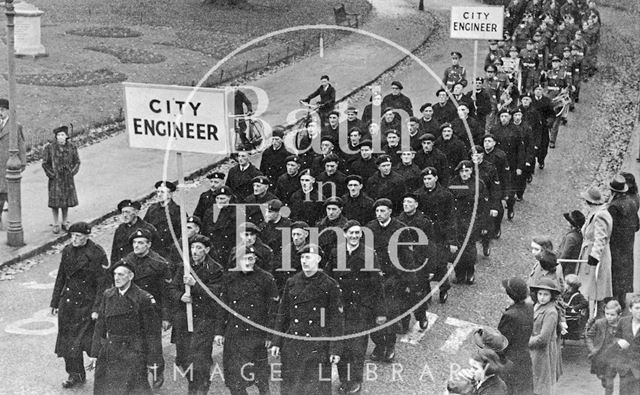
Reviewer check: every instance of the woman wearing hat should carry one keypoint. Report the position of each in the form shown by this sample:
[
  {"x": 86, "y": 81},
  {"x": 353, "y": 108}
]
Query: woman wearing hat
[
  {"x": 543, "y": 344},
  {"x": 571, "y": 242},
  {"x": 61, "y": 163},
  {"x": 595, "y": 271}
]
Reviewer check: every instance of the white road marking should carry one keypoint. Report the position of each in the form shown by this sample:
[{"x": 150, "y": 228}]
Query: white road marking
[
  {"x": 459, "y": 335},
  {"x": 37, "y": 285},
  {"x": 415, "y": 335},
  {"x": 18, "y": 327}
]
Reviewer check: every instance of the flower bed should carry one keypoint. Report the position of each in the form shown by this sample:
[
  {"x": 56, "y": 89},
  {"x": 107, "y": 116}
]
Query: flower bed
[
  {"x": 73, "y": 79},
  {"x": 129, "y": 55}
]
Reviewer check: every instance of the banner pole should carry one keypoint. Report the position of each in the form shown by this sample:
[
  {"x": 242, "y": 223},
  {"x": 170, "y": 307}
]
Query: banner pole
[
  {"x": 185, "y": 241},
  {"x": 475, "y": 69}
]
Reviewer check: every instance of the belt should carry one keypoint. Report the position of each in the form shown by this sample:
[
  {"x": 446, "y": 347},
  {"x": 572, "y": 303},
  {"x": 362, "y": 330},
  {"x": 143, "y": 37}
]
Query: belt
[
  {"x": 553, "y": 88},
  {"x": 529, "y": 64}
]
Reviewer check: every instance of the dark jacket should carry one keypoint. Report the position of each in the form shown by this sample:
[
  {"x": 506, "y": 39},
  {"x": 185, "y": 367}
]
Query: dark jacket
[
  {"x": 391, "y": 187},
  {"x": 327, "y": 98},
  {"x": 516, "y": 324},
  {"x": 240, "y": 181},
  {"x": 455, "y": 151},
  {"x": 306, "y": 207},
  {"x": 153, "y": 275},
  {"x": 437, "y": 205},
  {"x": 121, "y": 245},
  {"x": 629, "y": 358},
  {"x": 82, "y": 278},
  {"x": 273, "y": 163},
  {"x": 493, "y": 385},
  {"x": 157, "y": 216},
  {"x": 264, "y": 257},
  {"x": 624, "y": 212},
  {"x": 286, "y": 186},
  {"x": 436, "y": 159},
  {"x": 398, "y": 102},
  {"x": 363, "y": 168},
  {"x": 222, "y": 231},
  {"x": 359, "y": 208}
]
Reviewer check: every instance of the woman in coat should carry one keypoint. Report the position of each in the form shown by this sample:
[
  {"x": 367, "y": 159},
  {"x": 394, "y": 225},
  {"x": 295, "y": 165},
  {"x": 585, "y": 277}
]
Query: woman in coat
[
  {"x": 61, "y": 163},
  {"x": 595, "y": 274},
  {"x": 543, "y": 344},
  {"x": 571, "y": 242},
  {"x": 516, "y": 324}
]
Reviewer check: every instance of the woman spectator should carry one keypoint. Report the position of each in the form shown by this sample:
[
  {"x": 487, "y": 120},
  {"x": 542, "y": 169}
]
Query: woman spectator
[
  {"x": 595, "y": 275},
  {"x": 61, "y": 163},
  {"x": 571, "y": 242},
  {"x": 546, "y": 265},
  {"x": 516, "y": 324}
]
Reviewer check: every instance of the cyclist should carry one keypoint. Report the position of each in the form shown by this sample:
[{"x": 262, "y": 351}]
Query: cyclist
[{"x": 327, "y": 95}]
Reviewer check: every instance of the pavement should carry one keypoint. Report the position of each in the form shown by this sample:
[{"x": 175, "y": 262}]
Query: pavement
[{"x": 111, "y": 171}]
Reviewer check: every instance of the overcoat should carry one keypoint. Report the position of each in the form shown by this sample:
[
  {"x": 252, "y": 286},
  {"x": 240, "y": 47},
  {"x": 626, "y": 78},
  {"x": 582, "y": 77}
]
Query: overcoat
[
  {"x": 4, "y": 153},
  {"x": 596, "y": 235},
  {"x": 61, "y": 163},
  {"x": 516, "y": 324},
  {"x": 81, "y": 280},
  {"x": 157, "y": 216},
  {"x": 543, "y": 346},
  {"x": 624, "y": 213}
]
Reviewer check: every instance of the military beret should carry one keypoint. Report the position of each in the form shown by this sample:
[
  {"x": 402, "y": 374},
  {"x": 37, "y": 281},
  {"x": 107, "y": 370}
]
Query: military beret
[
  {"x": 488, "y": 136},
  {"x": 80, "y": 227},
  {"x": 410, "y": 195},
  {"x": 517, "y": 110},
  {"x": 353, "y": 177},
  {"x": 493, "y": 42},
  {"x": 463, "y": 104},
  {"x": 350, "y": 224},
  {"x": 300, "y": 225},
  {"x": 331, "y": 158},
  {"x": 168, "y": 184},
  {"x": 60, "y": 129},
  {"x": 334, "y": 201},
  {"x": 4, "y": 103},
  {"x": 405, "y": 149},
  {"x": 223, "y": 190},
  {"x": 293, "y": 158},
  {"x": 355, "y": 129},
  {"x": 383, "y": 202},
  {"x": 427, "y": 137},
  {"x": 387, "y": 109},
  {"x": 527, "y": 95},
  {"x": 439, "y": 91},
  {"x": 537, "y": 33},
  {"x": 555, "y": 58},
  {"x": 245, "y": 250},
  {"x": 274, "y": 205},
  {"x": 124, "y": 263},
  {"x": 128, "y": 203},
  {"x": 217, "y": 175},
  {"x": 529, "y": 41},
  {"x": 334, "y": 112},
  {"x": 425, "y": 105},
  {"x": 264, "y": 180},
  {"x": 140, "y": 233},
  {"x": 479, "y": 79},
  {"x": 202, "y": 239},
  {"x": 397, "y": 84},
  {"x": 445, "y": 125},
  {"x": 383, "y": 159},
  {"x": 476, "y": 149},
  {"x": 429, "y": 171},
  {"x": 413, "y": 119},
  {"x": 464, "y": 164},
  {"x": 504, "y": 111},
  {"x": 566, "y": 49},
  {"x": 456, "y": 53},
  {"x": 489, "y": 67},
  {"x": 365, "y": 143},
  {"x": 351, "y": 109},
  {"x": 312, "y": 249},
  {"x": 277, "y": 131},
  {"x": 194, "y": 219},
  {"x": 328, "y": 138},
  {"x": 249, "y": 227},
  {"x": 391, "y": 131},
  {"x": 513, "y": 49},
  {"x": 307, "y": 172}
]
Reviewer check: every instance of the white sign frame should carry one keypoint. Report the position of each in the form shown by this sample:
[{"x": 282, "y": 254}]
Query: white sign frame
[{"x": 486, "y": 22}]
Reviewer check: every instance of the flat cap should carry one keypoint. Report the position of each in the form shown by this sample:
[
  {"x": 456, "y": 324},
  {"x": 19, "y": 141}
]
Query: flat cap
[
  {"x": 427, "y": 137},
  {"x": 353, "y": 177},
  {"x": 331, "y": 158},
  {"x": 334, "y": 201},
  {"x": 383, "y": 202},
  {"x": 300, "y": 225}
]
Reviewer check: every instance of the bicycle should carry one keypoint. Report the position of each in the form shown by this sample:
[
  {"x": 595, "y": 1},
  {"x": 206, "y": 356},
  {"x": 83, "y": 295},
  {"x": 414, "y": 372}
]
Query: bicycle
[
  {"x": 249, "y": 133},
  {"x": 302, "y": 125}
]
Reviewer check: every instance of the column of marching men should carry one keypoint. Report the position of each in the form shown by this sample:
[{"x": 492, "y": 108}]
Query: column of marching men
[{"x": 340, "y": 232}]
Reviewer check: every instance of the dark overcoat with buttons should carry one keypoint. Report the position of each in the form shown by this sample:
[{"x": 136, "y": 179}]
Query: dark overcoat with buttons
[
  {"x": 219, "y": 225},
  {"x": 153, "y": 275},
  {"x": 264, "y": 255},
  {"x": 305, "y": 304},
  {"x": 81, "y": 280},
  {"x": 157, "y": 216},
  {"x": 196, "y": 347},
  {"x": 241, "y": 182},
  {"x": 122, "y": 246},
  {"x": 253, "y": 296},
  {"x": 126, "y": 340}
]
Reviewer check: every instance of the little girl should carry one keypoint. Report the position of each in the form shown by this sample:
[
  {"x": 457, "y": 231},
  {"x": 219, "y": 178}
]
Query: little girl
[
  {"x": 576, "y": 307},
  {"x": 543, "y": 344}
]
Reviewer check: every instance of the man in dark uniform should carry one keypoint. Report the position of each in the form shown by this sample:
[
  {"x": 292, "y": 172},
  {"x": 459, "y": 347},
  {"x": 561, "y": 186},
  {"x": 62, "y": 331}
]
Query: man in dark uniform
[
  {"x": 451, "y": 146},
  {"x": 332, "y": 128},
  {"x": 413, "y": 126},
  {"x": 365, "y": 165},
  {"x": 398, "y": 283},
  {"x": 455, "y": 72},
  {"x": 289, "y": 182},
  {"x": 542, "y": 103},
  {"x": 248, "y": 236},
  {"x": 81, "y": 280},
  {"x": 127, "y": 337},
  {"x": 306, "y": 202},
  {"x": 331, "y": 181},
  {"x": 153, "y": 275},
  {"x": 538, "y": 129},
  {"x": 207, "y": 198},
  {"x": 498, "y": 158},
  {"x": 482, "y": 101},
  {"x": 327, "y": 95},
  {"x": 526, "y": 132},
  {"x": 363, "y": 302},
  {"x": 357, "y": 204},
  {"x": 157, "y": 216},
  {"x": 460, "y": 124},
  {"x": 407, "y": 169},
  {"x": 391, "y": 120},
  {"x": 255, "y": 202},
  {"x": 193, "y": 227},
  {"x": 130, "y": 222},
  {"x": 290, "y": 263},
  {"x": 352, "y": 120},
  {"x": 219, "y": 224},
  {"x": 327, "y": 148},
  {"x": 444, "y": 110},
  {"x": 436, "y": 202},
  {"x": 272, "y": 163},
  {"x": 386, "y": 183},
  {"x": 427, "y": 123},
  {"x": 240, "y": 177},
  {"x": 489, "y": 175},
  {"x": 193, "y": 349},
  {"x": 333, "y": 219},
  {"x": 429, "y": 156},
  {"x": 271, "y": 231},
  {"x": 311, "y": 306},
  {"x": 397, "y": 100},
  {"x": 557, "y": 80},
  {"x": 250, "y": 293},
  {"x": 530, "y": 63}
]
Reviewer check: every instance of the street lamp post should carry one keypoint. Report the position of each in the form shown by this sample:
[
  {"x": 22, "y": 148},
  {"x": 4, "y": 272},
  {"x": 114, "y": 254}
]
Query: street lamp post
[{"x": 15, "y": 233}]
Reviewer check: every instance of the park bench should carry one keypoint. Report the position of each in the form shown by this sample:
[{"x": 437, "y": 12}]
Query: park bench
[{"x": 345, "y": 18}]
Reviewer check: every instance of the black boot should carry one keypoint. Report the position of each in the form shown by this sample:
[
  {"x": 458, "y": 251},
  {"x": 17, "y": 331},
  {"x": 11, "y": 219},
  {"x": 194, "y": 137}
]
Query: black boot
[{"x": 73, "y": 380}]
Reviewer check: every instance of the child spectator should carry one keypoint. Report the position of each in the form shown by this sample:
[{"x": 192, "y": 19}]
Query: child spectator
[
  {"x": 481, "y": 378},
  {"x": 628, "y": 346},
  {"x": 543, "y": 344},
  {"x": 576, "y": 307},
  {"x": 600, "y": 338},
  {"x": 571, "y": 242}
]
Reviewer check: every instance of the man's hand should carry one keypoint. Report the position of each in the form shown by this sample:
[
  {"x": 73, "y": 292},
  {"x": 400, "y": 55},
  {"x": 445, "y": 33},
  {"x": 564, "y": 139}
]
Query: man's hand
[
  {"x": 92, "y": 364},
  {"x": 623, "y": 344},
  {"x": 563, "y": 328},
  {"x": 219, "y": 340},
  {"x": 94, "y": 316},
  {"x": 527, "y": 164},
  {"x": 189, "y": 280},
  {"x": 518, "y": 172},
  {"x": 166, "y": 325},
  {"x": 493, "y": 213},
  {"x": 185, "y": 298},
  {"x": 54, "y": 311},
  {"x": 275, "y": 351},
  {"x": 453, "y": 249},
  {"x": 380, "y": 320},
  {"x": 334, "y": 359}
]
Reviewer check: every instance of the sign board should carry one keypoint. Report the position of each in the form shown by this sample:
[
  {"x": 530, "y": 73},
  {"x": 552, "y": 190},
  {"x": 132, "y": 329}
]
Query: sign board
[
  {"x": 477, "y": 23},
  {"x": 177, "y": 118}
]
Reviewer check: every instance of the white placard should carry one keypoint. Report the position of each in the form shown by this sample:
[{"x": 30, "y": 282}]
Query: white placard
[
  {"x": 177, "y": 118},
  {"x": 477, "y": 23}
]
